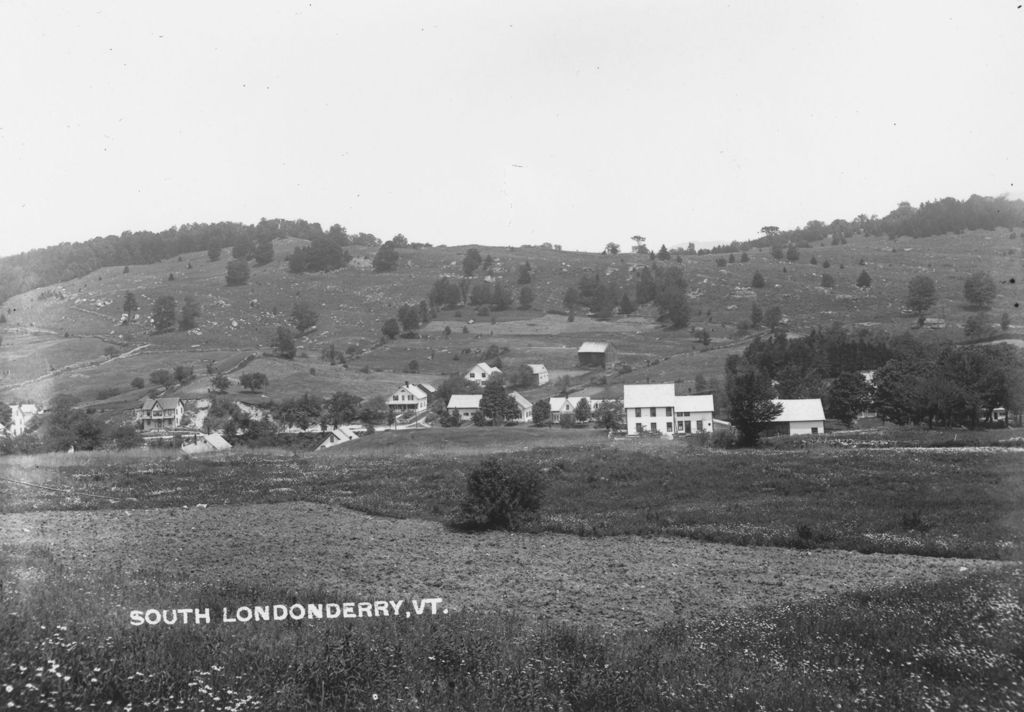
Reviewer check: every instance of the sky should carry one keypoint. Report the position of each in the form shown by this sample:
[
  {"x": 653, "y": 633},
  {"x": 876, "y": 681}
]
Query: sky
[{"x": 577, "y": 123}]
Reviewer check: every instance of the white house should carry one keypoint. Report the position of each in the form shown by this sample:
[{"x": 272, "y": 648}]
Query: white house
[
  {"x": 467, "y": 405},
  {"x": 481, "y": 372},
  {"x": 341, "y": 434},
  {"x": 801, "y": 416},
  {"x": 655, "y": 408},
  {"x": 21, "y": 416},
  {"x": 410, "y": 398},
  {"x": 563, "y": 405},
  {"x": 157, "y": 413},
  {"x": 540, "y": 374}
]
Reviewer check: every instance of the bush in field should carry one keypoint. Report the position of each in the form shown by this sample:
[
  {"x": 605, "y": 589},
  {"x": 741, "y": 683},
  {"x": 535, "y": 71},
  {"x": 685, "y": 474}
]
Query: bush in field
[{"x": 500, "y": 494}]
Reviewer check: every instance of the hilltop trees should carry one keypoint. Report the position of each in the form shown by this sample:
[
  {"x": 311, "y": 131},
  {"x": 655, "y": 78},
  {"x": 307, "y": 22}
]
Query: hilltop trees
[
  {"x": 611, "y": 248},
  {"x": 920, "y": 294},
  {"x": 471, "y": 261},
  {"x": 323, "y": 254},
  {"x": 980, "y": 290},
  {"x": 264, "y": 252},
  {"x": 237, "y": 273},
  {"x": 164, "y": 310},
  {"x": 386, "y": 259}
]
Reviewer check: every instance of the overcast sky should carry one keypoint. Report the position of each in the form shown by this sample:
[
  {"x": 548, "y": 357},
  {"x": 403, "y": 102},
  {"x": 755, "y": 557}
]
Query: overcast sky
[{"x": 575, "y": 123}]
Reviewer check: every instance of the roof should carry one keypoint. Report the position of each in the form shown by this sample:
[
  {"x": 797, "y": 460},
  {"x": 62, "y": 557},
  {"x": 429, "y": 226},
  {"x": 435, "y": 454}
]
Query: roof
[
  {"x": 593, "y": 347},
  {"x": 164, "y": 403},
  {"x": 464, "y": 401},
  {"x": 695, "y": 404},
  {"x": 486, "y": 368},
  {"x": 558, "y": 402},
  {"x": 340, "y": 434},
  {"x": 415, "y": 390},
  {"x": 636, "y": 395},
  {"x": 521, "y": 400},
  {"x": 800, "y": 410},
  {"x": 218, "y": 441},
  {"x": 427, "y": 387},
  {"x": 537, "y": 368}
]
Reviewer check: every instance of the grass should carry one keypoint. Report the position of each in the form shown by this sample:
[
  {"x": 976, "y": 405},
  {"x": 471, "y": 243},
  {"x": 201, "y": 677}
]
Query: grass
[
  {"x": 929, "y": 501},
  {"x": 953, "y": 644}
]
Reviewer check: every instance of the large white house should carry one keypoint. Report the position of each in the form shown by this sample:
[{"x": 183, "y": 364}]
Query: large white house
[
  {"x": 801, "y": 416},
  {"x": 160, "y": 413},
  {"x": 410, "y": 398},
  {"x": 655, "y": 408},
  {"x": 481, "y": 372}
]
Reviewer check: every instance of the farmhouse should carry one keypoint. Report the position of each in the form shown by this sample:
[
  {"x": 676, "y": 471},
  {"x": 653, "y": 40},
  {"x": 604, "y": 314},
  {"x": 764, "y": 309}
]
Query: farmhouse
[
  {"x": 539, "y": 374},
  {"x": 561, "y": 405},
  {"x": 596, "y": 354},
  {"x": 162, "y": 413},
  {"x": 341, "y": 434},
  {"x": 655, "y": 408},
  {"x": 524, "y": 408},
  {"x": 481, "y": 372},
  {"x": 410, "y": 398},
  {"x": 802, "y": 416},
  {"x": 21, "y": 415}
]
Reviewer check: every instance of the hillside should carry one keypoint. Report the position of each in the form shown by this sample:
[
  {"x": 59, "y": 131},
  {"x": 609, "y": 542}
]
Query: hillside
[{"x": 67, "y": 337}]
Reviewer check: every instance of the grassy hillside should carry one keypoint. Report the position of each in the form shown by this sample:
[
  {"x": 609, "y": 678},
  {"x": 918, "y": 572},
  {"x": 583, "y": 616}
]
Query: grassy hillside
[{"x": 63, "y": 338}]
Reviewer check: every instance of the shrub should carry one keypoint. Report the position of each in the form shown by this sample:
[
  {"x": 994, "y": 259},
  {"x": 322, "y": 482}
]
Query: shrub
[{"x": 500, "y": 494}]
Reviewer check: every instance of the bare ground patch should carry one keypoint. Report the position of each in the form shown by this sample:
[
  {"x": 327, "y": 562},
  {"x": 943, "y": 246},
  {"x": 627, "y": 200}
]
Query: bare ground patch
[{"x": 612, "y": 582}]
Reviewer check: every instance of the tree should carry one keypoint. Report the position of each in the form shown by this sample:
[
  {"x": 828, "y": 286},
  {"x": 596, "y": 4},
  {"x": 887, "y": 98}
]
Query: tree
[
  {"x": 471, "y": 261},
  {"x": 744, "y": 257},
  {"x": 214, "y": 253},
  {"x": 977, "y": 327},
  {"x": 541, "y": 412},
  {"x": 164, "y": 314},
  {"x": 391, "y": 328},
  {"x": 920, "y": 294},
  {"x": 663, "y": 253},
  {"x": 284, "y": 342},
  {"x": 304, "y": 316},
  {"x": 827, "y": 281},
  {"x": 626, "y": 306},
  {"x": 138, "y": 382},
  {"x": 571, "y": 298},
  {"x": 494, "y": 403},
  {"x": 130, "y": 305},
  {"x": 526, "y": 297},
  {"x": 183, "y": 374},
  {"x": 752, "y": 405},
  {"x": 524, "y": 273},
  {"x": 400, "y": 240},
  {"x": 640, "y": 248},
  {"x": 756, "y": 315},
  {"x": 848, "y": 396},
  {"x": 386, "y": 259},
  {"x": 611, "y": 248},
  {"x": 582, "y": 411},
  {"x": 161, "y": 377},
  {"x": 342, "y": 407},
  {"x": 757, "y": 282},
  {"x": 773, "y": 317},
  {"x": 264, "y": 252},
  {"x": 863, "y": 279},
  {"x": 237, "y": 273},
  {"x": 253, "y": 381},
  {"x": 793, "y": 254},
  {"x": 501, "y": 492},
  {"x": 220, "y": 383},
  {"x": 777, "y": 252},
  {"x": 980, "y": 290},
  {"x": 609, "y": 415},
  {"x": 190, "y": 311}
]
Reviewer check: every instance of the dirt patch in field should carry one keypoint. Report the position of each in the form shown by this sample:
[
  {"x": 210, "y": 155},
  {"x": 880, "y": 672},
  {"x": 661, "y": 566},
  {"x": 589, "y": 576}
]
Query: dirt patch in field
[{"x": 610, "y": 581}]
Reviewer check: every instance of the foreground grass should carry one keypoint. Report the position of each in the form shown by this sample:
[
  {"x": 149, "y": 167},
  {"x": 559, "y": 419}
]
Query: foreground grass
[
  {"x": 68, "y": 645},
  {"x": 939, "y": 502}
]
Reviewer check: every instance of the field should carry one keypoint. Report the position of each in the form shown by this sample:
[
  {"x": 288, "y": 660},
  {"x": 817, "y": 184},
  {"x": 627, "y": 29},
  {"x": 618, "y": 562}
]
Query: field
[{"x": 651, "y": 608}]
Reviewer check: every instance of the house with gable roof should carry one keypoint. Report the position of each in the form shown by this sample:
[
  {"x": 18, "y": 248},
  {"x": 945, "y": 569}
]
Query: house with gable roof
[
  {"x": 481, "y": 372},
  {"x": 410, "y": 398},
  {"x": 161, "y": 413},
  {"x": 799, "y": 416},
  {"x": 596, "y": 354},
  {"x": 655, "y": 408}
]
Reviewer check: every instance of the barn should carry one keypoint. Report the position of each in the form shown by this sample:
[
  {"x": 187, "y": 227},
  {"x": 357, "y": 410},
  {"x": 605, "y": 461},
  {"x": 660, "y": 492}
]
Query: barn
[{"x": 596, "y": 354}]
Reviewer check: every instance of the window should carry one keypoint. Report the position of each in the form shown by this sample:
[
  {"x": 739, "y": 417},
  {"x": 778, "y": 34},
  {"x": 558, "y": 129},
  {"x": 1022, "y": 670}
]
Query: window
[
  {"x": 814, "y": 431},
  {"x": 638, "y": 413},
  {"x": 639, "y": 426},
  {"x": 654, "y": 412},
  {"x": 668, "y": 412},
  {"x": 654, "y": 426},
  {"x": 668, "y": 427},
  {"x": 700, "y": 426},
  {"x": 687, "y": 425},
  {"x": 686, "y": 415}
]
